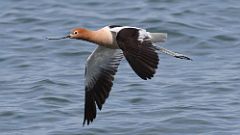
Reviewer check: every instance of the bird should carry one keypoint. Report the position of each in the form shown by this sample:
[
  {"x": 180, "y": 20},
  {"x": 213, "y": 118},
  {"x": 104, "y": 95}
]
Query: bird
[{"x": 115, "y": 42}]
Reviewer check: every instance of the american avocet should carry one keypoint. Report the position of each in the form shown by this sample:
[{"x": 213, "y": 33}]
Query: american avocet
[{"x": 114, "y": 42}]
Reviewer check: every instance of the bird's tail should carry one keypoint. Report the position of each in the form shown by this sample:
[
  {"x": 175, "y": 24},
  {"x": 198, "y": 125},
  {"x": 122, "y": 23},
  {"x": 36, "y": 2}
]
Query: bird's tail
[{"x": 158, "y": 37}]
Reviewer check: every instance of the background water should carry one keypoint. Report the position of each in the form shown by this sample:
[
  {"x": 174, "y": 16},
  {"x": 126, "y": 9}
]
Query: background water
[{"x": 42, "y": 82}]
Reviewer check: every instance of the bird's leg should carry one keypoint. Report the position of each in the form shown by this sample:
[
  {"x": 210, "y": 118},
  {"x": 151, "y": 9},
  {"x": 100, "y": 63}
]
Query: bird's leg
[{"x": 174, "y": 54}]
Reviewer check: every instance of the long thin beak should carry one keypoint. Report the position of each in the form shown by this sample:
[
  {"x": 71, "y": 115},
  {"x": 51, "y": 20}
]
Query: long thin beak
[{"x": 68, "y": 36}]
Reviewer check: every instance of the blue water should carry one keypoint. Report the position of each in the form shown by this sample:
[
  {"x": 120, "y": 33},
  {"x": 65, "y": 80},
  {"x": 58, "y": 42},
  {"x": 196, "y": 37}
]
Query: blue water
[{"x": 42, "y": 82}]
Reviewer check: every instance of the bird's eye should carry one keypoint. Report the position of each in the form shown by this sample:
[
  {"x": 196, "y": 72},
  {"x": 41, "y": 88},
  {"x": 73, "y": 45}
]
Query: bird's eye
[{"x": 75, "y": 32}]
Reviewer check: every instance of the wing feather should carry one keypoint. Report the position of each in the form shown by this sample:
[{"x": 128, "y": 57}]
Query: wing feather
[
  {"x": 139, "y": 51},
  {"x": 101, "y": 67}
]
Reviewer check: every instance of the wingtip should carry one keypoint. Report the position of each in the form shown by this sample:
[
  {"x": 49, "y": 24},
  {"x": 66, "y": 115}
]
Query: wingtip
[
  {"x": 87, "y": 121},
  {"x": 90, "y": 111}
]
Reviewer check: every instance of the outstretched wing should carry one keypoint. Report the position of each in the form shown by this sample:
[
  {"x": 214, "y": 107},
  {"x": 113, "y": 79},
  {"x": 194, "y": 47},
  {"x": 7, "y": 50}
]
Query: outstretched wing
[
  {"x": 137, "y": 47},
  {"x": 101, "y": 67}
]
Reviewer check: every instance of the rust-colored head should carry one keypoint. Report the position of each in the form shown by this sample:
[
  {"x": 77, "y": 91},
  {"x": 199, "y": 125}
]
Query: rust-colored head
[{"x": 79, "y": 33}]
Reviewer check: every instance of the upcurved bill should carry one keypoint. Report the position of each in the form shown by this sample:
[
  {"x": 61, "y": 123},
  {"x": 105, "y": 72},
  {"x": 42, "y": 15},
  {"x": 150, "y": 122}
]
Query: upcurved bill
[{"x": 58, "y": 38}]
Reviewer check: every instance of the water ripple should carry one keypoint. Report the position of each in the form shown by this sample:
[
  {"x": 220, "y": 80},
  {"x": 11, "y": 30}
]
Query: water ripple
[{"x": 42, "y": 82}]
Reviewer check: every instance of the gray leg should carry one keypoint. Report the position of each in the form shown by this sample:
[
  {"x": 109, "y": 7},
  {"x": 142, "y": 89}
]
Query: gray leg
[{"x": 174, "y": 54}]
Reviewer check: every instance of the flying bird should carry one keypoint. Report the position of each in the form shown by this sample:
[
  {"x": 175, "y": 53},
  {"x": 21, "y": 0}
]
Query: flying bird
[{"x": 114, "y": 43}]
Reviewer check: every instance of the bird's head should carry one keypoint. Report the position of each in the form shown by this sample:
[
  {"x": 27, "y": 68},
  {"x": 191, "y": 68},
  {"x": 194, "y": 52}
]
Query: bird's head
[{"x": 76, "y": 33}]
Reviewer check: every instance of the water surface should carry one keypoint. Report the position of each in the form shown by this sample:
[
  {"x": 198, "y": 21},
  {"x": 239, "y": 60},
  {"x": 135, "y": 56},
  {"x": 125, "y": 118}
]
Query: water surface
[{"x": 42, "y": 82}]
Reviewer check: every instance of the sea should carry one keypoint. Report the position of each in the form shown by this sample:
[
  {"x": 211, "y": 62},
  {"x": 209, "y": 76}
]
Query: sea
[{"x": 42, "y": 81}]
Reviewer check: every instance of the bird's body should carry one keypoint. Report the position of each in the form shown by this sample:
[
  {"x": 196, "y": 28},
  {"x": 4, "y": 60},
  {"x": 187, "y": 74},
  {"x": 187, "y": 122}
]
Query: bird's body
[{"x": 115, "y": 42}]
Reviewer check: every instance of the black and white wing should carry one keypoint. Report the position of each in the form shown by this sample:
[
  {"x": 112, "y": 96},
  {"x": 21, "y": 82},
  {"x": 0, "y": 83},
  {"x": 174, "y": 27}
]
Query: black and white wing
[
  {"x": 101, "y": 67},
  {"x": 139, "y": 51}
]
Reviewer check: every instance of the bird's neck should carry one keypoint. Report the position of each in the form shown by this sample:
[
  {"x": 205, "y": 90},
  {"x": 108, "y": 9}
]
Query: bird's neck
[{"x": 101, "y": 37}]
